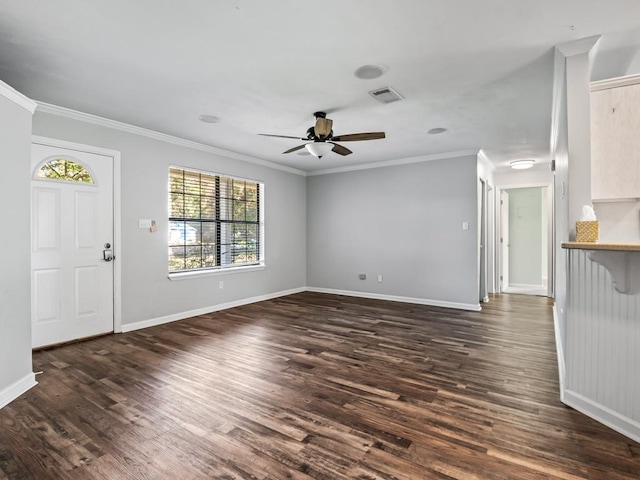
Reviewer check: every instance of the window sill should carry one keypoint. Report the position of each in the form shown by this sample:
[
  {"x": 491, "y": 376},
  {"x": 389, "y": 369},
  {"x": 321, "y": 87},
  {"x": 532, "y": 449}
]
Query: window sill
[{"x": 214, "y": 273}]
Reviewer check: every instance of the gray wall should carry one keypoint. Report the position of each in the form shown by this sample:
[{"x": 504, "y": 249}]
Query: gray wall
[
  {"x": 571, "y": 149},
  {"x": 402, "y": 222},
  {"x": 562, "y": 229},
  {"x": 525, "y": 236},
  {"x": 147, "y": 293},
  {"x": 15, "y": 251}
]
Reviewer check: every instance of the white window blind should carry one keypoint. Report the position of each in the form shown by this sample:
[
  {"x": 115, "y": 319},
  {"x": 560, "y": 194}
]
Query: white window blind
[{"x": 214, "y": 221}]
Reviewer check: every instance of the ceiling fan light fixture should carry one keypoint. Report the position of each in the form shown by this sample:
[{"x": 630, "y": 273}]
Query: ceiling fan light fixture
[
  {"x": 522, "y": 164},
  {"x": 319, "y": 149}
]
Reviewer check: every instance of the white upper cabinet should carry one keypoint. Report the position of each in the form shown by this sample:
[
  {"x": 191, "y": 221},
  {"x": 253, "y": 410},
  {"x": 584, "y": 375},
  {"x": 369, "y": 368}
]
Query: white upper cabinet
[{"x": 615, "y": 139}]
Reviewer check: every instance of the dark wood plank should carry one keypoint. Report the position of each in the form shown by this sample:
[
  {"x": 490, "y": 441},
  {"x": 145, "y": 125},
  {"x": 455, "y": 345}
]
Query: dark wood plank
[{"x": 313, "y": 386}]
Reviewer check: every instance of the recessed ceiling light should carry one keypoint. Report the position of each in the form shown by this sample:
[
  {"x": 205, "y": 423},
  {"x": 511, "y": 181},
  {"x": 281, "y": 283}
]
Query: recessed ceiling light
[
  {"x": 368, "y": 72},
  {"x": 437, "y": 130},
  {"x": 209, "y": 119},
  {"x": 522, "y": 164}
]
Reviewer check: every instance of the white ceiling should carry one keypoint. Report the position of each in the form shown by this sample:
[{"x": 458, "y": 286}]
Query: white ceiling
[{"x": 481, "y": 69}]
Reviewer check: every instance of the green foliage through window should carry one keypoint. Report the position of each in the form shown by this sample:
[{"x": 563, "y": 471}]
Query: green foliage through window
[
  {"x": 64, "y": 169},
  {"x": 214, "y": 221}
]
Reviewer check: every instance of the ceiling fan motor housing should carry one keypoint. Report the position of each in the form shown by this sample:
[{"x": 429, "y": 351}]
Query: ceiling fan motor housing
[{"x": 311, "y": 135}]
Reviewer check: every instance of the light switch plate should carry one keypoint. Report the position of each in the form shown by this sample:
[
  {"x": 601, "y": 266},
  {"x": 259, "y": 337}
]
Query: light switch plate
[{"x": 144, "y": 223}]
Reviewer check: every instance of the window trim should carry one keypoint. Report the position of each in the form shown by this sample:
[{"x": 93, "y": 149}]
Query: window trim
[
  {"x": 214, "y": 272},
  {"x": 222, "y": 269}
]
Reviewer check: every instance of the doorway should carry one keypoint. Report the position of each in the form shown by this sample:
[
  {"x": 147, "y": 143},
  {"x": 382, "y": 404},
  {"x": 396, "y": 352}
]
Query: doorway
[
  {"x": 525, "y": 240},
  {"x": 73, "y": 240}
]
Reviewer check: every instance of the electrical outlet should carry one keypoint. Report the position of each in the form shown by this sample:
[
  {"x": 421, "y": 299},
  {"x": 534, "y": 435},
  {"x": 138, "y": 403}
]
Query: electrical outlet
[
  {"x": 379, "y": 278},
  {"x": 465, "y": 225},
  {"x": 220, "y": 284}
]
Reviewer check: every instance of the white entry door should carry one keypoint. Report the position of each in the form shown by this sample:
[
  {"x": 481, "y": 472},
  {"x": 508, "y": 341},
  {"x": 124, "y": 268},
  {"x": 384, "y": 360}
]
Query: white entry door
[{"x": 71, "y": 244}]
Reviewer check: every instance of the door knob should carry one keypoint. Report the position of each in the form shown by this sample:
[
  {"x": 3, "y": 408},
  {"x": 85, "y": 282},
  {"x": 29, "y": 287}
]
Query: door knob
[{"x": 107, "y": 253}]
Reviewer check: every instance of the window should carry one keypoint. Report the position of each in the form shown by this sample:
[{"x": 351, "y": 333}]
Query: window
[
  {"x": 65, "y": 170},
  {"x": 214, "y": 221}
]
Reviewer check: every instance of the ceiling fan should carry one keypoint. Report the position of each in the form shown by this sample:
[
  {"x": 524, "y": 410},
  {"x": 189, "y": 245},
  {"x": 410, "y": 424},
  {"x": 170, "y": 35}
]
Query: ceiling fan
[{"x": 322, "y": 140}]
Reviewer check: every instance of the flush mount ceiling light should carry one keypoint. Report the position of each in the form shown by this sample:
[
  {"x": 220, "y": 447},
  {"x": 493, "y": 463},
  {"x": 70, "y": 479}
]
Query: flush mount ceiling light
[
  {"x": 436, "y": 131},
  {"x": 209, "y": 119},
  {"x": 522, "y": 164},
  {"x": 368, "y": 72},
  {"x": 319, "y": 149}
]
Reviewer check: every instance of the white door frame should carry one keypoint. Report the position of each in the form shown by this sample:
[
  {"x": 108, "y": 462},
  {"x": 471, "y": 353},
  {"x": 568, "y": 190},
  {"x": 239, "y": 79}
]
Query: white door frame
[
  {"x": 503, "y": 238},
  {"x": 482, "y": 240},
  {"x": 550, "y": 230},
  {"x": 117, "y": 215}
]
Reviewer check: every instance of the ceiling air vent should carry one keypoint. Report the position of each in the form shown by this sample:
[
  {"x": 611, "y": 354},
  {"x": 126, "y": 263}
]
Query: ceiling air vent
[{"x": 386, "y": 95}]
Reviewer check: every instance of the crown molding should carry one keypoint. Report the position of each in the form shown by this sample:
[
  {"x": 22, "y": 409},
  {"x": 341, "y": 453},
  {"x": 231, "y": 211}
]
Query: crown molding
[
  {"x": 393, "y": 163},
  {"x": 18, "y": 98},
  {"x": 482, "y": 155},
  {"x": 615, "y": 82},
  {"x": 44, "y": 107}
]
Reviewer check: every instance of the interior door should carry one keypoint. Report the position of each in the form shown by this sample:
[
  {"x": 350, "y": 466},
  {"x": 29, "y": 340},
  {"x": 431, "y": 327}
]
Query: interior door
[
  {"x": 504, "y": 240},
  {"x": 71, "y": 244}
]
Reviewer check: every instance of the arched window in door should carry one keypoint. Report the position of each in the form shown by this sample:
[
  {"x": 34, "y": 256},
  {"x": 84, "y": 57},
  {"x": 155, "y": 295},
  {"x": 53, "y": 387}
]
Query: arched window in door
[{"x": 64, "y": 169}]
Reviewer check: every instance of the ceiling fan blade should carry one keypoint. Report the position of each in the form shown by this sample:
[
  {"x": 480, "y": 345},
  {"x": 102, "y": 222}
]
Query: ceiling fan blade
[
  {"x": 352, "y": 137},
  {"x": 294, "y": 148},
  {"x": 280, "y": 136},
  {"x": 340, "y": 150},
  {"x": 323, "y": 127}
]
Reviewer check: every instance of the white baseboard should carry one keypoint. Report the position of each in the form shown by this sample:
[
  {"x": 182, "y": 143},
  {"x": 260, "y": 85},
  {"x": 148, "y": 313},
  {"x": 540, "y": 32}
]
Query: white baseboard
[
  {"x": 525, "y": 285},
  {"x": 522, "y": 289},
  {"x": 13, "y": 391},
  {"x": 152, "y": 322},
  {"x": 129, "y": 327},
  {"x": 393, "y": 298},
  {"x": 559, "y": 351},
  {"x": 604, "y": 415}
]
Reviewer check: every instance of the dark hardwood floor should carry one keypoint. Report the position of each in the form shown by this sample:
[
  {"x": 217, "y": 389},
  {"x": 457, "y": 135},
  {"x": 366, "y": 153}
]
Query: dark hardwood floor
[{"x": 313, "y": 386}]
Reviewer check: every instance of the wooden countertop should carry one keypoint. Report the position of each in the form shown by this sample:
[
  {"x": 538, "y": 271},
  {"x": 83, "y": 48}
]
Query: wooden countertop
[{"x": 615, "y": 247}]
